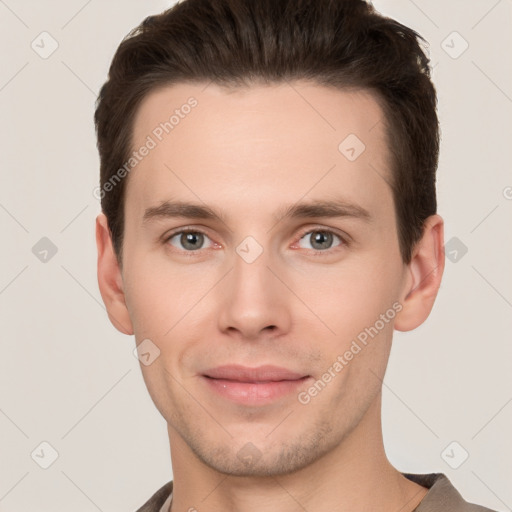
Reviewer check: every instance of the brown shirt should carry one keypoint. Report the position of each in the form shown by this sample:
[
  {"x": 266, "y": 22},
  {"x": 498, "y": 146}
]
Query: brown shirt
[{"x": 441, "y": 497}]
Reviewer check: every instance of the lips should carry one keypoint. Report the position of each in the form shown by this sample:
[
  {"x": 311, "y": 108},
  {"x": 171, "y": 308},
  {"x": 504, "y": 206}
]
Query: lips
[
  {"x": 267, "y": 373},
  {"x": 253, "y": 386}
]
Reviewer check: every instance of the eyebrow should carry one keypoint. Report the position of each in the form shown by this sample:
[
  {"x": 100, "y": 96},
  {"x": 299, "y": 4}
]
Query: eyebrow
[{"x": 320, "y": 208}]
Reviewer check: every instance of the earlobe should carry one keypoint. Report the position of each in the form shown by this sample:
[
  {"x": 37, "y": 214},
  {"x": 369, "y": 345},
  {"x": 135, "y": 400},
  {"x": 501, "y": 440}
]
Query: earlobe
[
  {"x": 424, "y": 276},
  {"x": 110, "y": 279}
]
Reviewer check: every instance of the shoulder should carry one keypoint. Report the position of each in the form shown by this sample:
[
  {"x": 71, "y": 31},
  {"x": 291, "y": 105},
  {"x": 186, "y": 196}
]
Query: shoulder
[
  {"x": 442, "y": 495},
  {"x": 155, "y": 503}
]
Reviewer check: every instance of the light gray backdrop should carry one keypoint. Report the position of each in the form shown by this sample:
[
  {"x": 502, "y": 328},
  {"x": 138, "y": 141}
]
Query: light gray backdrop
[{"x": 69, "y": 380}]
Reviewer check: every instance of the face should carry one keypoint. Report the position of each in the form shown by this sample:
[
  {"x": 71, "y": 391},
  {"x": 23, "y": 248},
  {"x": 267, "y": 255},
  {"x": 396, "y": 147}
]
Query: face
[{"x": 295, "y": 265}]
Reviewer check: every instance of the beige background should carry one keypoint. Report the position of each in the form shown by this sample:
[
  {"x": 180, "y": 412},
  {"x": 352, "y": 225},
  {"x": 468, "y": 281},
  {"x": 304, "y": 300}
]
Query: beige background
[{"x": 68, "y": 378}]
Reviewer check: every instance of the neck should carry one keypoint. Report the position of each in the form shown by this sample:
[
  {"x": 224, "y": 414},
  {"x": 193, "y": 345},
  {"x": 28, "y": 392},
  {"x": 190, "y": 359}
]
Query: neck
[{"x": 355, "y": 476}]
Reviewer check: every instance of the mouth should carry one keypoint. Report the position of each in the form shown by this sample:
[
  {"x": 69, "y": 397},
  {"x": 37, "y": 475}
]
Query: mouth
[{"x": 253, "y": 386}]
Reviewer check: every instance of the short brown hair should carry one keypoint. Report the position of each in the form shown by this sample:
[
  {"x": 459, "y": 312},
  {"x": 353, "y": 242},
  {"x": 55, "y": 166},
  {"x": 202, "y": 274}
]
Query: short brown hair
[{"x": 339, "y": 43}]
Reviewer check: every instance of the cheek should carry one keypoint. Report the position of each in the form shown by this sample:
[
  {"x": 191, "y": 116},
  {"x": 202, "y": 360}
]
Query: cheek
[
  {"x": 354, "y": 297},
  {"x": 158, "y": 294}
]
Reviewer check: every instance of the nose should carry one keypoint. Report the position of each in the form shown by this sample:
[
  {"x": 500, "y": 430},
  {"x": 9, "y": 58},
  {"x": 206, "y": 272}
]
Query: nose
[{"x": 252, "y": 300}]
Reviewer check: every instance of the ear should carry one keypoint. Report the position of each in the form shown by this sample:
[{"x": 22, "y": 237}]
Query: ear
[
  {"x": 110, "y": 280},
  {"x": 423, "y": 278}
]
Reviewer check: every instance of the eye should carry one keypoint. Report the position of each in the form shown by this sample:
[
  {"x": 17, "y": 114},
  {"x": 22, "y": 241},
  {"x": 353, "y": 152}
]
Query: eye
[
  {"x": 320, "y": 239},
  {"x": 189, "y": 240}
]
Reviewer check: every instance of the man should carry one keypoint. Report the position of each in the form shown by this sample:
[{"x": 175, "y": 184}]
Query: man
[{"x": 269, "y": 218}]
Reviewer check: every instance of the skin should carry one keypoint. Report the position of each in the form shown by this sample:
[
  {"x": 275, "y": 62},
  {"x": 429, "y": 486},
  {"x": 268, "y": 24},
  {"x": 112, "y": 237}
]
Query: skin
[{"x": 247, "y": 153}]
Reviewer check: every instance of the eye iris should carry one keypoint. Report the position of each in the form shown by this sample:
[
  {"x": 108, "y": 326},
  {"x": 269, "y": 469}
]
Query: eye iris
[
  {"x": 321, "y": 237},
  {"x": 191, "y": 238}
]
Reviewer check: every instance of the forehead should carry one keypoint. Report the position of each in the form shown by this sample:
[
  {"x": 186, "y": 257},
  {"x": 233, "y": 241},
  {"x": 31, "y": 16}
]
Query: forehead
[
  {"x": 294, "y": 137},
  {"x": 299, "y": 106}
]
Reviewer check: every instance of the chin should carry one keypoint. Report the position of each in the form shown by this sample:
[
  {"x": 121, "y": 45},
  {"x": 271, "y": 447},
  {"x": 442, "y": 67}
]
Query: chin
[{"x": 271, "y": 461}]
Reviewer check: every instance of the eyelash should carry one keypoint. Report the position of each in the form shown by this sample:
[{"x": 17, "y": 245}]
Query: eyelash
[{"x": 316, "y": 252}]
